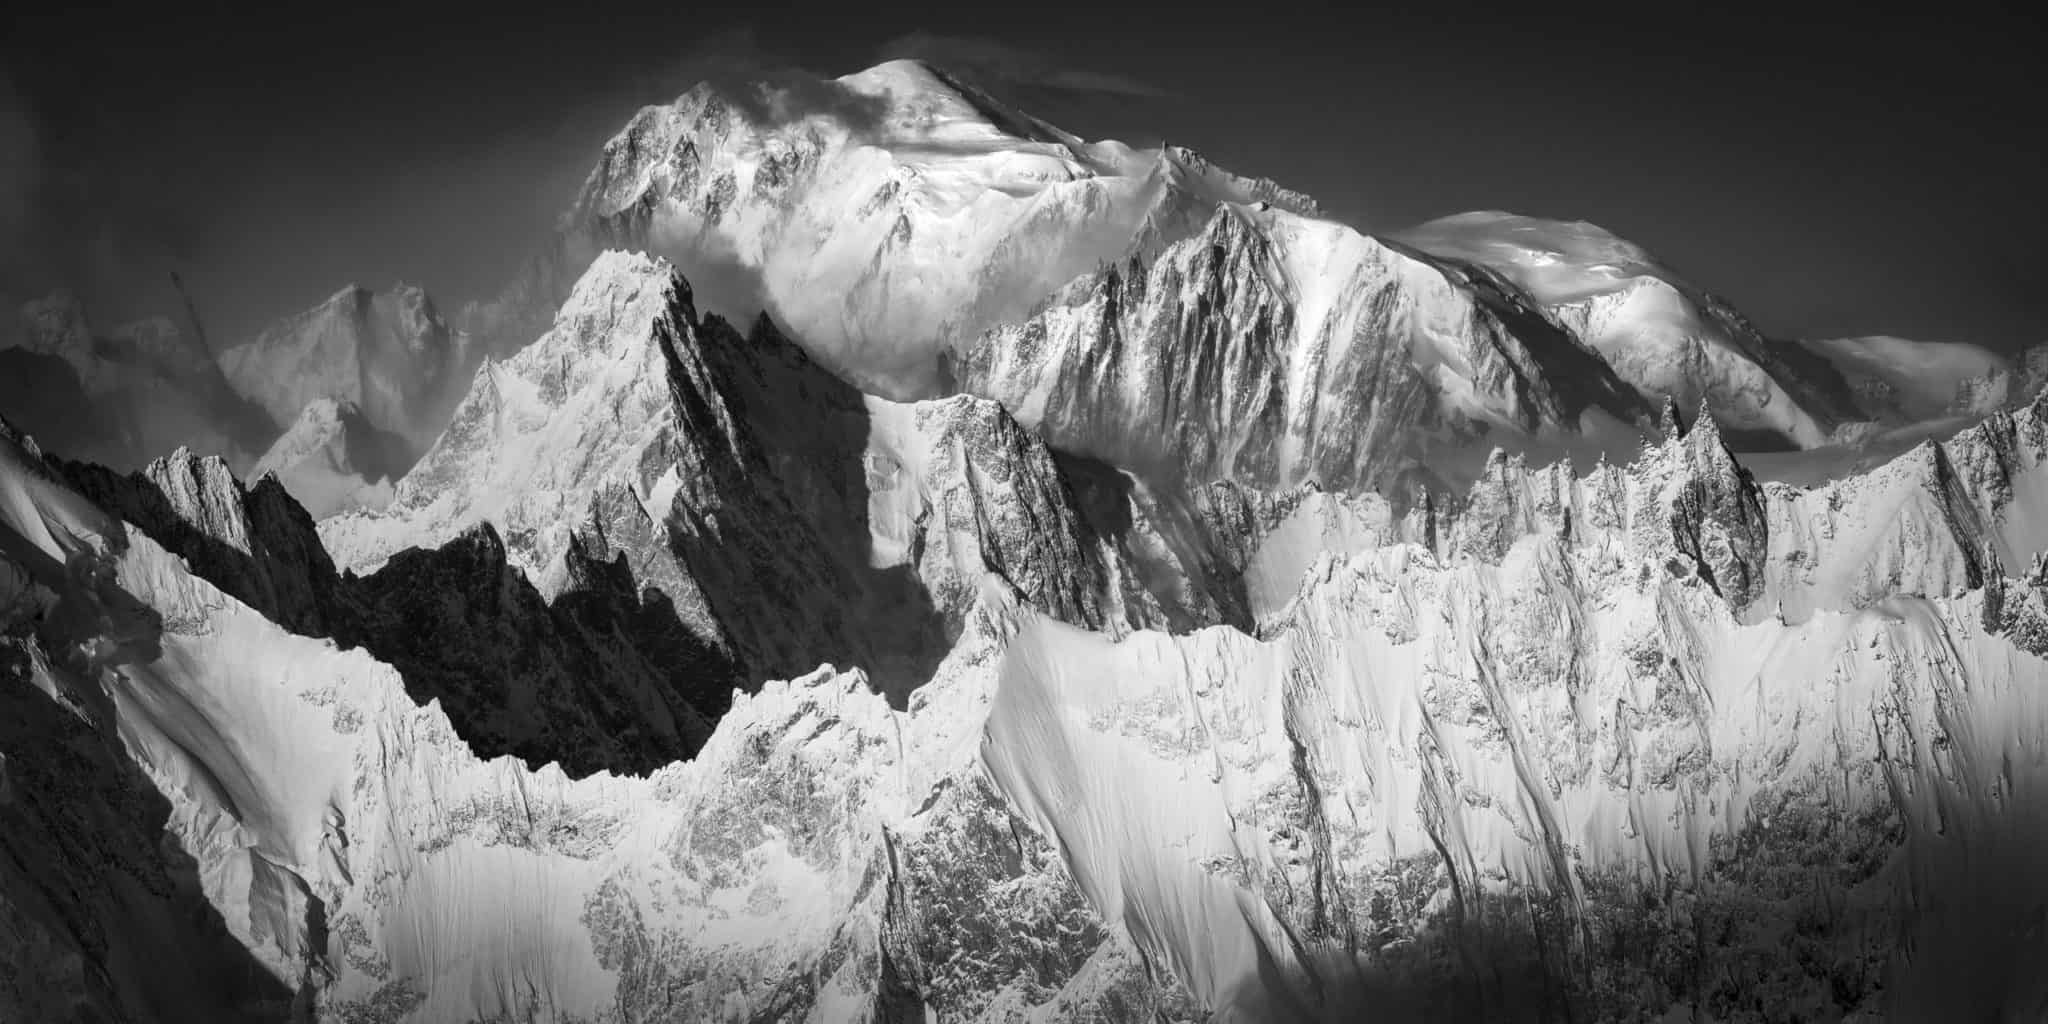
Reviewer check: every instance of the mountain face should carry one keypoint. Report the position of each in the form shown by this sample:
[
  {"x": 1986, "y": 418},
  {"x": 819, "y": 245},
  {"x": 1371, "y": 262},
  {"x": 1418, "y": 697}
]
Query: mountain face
[
  {"x": 1270, "y": 348},
  {"x": 1594, "y": 763},
  {"x": 875, "y": 216},
  {"x": 1244, "y": 619},
  {"x": 390, "y": 354},
  {"x": 1755, "y": 711},
  {"x": 598, "y": 676},
  {"x": 124, "y": 396}
]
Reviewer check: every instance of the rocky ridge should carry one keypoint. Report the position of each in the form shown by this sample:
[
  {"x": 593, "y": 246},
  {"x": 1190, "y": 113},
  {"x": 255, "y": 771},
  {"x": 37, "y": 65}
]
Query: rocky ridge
[
  {"x": 1293, "y": 349},
  {"x": 788, "y": 518},
  {"x": 1561, "y": 700}
]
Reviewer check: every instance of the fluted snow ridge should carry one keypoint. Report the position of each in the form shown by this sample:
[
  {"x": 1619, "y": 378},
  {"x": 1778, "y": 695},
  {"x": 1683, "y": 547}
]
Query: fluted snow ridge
[{"x": 1597, "y": 727}]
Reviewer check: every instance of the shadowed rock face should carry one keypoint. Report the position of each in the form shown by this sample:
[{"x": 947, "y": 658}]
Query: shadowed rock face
[
  {"x": 333, "y": 459},
  {"x": 255, "y": 542},
  {"x": 92, "y": 877},
  {"x": 1717, "y": 516},
  {"x": 104, "y": 913},
  {"x": 903, "y": 212},
  {"x": 600, "y": 677}
]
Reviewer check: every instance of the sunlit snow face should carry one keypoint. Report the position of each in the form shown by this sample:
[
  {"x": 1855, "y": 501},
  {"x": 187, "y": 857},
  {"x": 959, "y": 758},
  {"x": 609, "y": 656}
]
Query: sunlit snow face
[{"x": 1556, "y": 261}]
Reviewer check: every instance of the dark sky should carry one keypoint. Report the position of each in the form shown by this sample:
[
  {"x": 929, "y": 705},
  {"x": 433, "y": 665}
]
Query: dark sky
[{"x": 1830, "y": 175}]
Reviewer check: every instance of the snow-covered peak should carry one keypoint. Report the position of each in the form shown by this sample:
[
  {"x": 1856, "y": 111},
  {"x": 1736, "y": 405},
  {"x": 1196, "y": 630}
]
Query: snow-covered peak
[
  {"x": 1580, "y": 731},
  {"x": 120, "y": 396},
  {"x": 332, "y": 459},
  {"x": 533, "y": 433},
  {"x": 877, "y": 216},
  {"x": 389, "y": 353}
]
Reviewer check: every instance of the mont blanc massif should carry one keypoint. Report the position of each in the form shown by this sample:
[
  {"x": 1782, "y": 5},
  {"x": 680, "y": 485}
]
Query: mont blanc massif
[{"x": 885, "y": 558}]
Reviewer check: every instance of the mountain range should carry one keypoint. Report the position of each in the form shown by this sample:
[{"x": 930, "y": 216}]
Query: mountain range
[{"x": 886, "y": 558}]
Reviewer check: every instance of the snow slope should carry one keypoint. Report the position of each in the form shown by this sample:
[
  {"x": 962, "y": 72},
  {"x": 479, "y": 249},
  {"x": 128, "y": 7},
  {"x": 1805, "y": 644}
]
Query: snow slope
[
  {"x": 390, "y": 354},
  {"x": 1659, "y": 332},
  {"x": 123, "y": 396},
  {"x": 374, "y": 869}
]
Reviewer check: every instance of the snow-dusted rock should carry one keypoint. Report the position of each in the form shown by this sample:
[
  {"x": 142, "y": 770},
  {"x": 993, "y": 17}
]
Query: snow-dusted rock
[
  {"x": 1548, "y": 769},
  {"x": 599, "y": 677},
  {"x": 681, "y": 680},
  {"x": 254, "y": 542},
  {"x": 1272, "y": 348},
  {"x": 1661, "y": 333}
]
